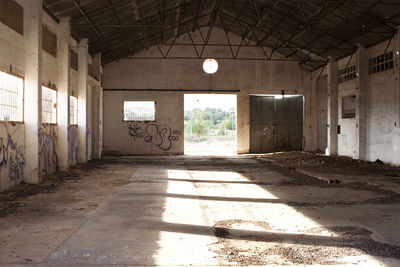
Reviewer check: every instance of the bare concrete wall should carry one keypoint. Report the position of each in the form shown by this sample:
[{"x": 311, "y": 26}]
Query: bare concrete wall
[
  {"x": 248, "y": 76},
  {"x": 382, "y": 112},
  {"x": 163, "y": 136},
  {"x": 383, "y": 136}
]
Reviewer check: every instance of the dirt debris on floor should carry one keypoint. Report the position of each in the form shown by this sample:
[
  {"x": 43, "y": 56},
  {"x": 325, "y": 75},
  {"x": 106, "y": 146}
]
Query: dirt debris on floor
[
  {"x": 50, "y": 212},
  {"x": 324, "y": 245},
  {"x": 244, "y": 210}
]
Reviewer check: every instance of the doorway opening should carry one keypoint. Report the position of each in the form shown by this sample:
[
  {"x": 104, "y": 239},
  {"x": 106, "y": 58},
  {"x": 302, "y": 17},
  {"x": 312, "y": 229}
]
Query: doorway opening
[
  {"x": 210, "y": 124},
  {"x": 276, "y": 123}
]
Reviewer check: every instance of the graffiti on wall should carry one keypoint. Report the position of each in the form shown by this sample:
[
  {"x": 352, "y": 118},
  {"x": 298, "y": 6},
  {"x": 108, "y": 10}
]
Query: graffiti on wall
[
  {"x": 16, "y": 165},
  {"x": 11, "y": 155},
  {"x": 135, "y": 131},
  {"x": 161, "y": 136},
  {"x": 158, "y": 135},
  {"x": 73, "y": 144},
  {"x": 48, "y": 161}
]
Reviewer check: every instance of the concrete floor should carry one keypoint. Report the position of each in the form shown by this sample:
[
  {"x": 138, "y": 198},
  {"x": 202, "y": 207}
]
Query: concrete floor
[{"x": 203, "y": 211}]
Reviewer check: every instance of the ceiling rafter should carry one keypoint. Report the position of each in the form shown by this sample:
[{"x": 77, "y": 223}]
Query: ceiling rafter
[{"x": 307, "y": 31}]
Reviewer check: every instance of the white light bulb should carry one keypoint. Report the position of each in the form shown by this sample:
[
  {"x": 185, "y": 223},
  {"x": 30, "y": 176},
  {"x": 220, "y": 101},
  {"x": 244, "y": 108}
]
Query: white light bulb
[{"x": 210, "y": 66}]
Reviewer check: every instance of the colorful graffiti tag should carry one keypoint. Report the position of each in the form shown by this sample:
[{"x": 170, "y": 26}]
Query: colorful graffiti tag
[{"x": 48, "y": 161}]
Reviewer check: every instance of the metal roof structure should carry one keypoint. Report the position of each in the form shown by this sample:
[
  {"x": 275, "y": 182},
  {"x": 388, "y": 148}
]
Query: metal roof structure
[{"x": 307, "y": 31}]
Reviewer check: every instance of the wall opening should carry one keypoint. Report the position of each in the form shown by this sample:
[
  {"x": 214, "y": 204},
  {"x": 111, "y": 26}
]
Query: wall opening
[
  {"x": 276, "y": 123},
  {"x": 210, "y": 124}
]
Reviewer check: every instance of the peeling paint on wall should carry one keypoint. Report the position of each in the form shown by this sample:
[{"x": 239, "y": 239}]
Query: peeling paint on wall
[
  {"x": 48, "y": 160},
  {"x": 73, "y": 145}
]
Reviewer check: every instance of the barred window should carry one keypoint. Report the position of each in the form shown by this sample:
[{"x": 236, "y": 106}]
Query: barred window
[
  {"x": 11, "y": 97},
  {"x": 348, "y": 73},
  {"x": 380, "y": 63},
  {"x": 73, "y": 110},
  {"x": 139, "y": 110},
  {"x": 49, "y": 105}
]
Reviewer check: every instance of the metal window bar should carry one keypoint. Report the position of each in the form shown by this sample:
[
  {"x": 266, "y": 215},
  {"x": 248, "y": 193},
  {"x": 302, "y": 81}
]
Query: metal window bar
[
  {"x": 11, "y": 97},
  {"x": 347, "y": 74},
  {"x": 49, "y": 105},
  {"x": 380, "y": 63},
  {"x": 73, "y": 110},
  {"x": 139, "y": 110}
]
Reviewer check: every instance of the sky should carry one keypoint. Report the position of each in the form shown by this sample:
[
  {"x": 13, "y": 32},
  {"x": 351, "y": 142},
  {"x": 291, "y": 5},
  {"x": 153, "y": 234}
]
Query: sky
[{"x": 203, "y": 101}]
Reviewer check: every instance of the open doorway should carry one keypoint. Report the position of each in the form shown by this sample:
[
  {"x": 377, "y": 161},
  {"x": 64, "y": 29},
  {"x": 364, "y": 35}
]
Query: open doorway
[{"x": 210, "y": 124}]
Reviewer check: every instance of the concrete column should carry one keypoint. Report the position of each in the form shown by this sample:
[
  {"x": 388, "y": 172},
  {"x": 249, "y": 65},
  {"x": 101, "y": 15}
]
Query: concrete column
[
  {"x": 332, "y": 107},
  {"x": 362, "y": 102},
  {"x": 33, "y": 87},
  {"x": 97, "y": 66},
  {"x": 396, "y": 51},
  {"x": 63, "y": 93},
  {"x": 310, "y": 116},
  {"x": 82, "y": 100},
  {"x": 96, "y": 109},
  {"x": 243, "y": 122}
]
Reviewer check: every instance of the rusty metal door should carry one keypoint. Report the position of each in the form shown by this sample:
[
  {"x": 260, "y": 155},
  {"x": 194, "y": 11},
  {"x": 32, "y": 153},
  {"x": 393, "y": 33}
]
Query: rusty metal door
[{"x": 276, "y": 124}]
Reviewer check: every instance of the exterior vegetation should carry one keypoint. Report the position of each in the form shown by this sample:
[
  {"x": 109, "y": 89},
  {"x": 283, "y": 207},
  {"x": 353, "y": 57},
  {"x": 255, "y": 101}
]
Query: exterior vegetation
[{"x": 201, "y": 124}]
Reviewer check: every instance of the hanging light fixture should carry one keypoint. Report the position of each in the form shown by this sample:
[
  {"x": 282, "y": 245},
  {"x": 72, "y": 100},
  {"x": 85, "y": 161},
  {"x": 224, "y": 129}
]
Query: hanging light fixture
[{"x": 210, "y": 66}]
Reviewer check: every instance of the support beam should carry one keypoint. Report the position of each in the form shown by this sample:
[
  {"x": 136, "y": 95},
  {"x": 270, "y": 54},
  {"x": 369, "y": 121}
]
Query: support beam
[
  {"x": 362, "y": 102},
  {"x": 82, "y": 101},
  {"x": 63, "y": 93},
  {"x": 333, "y": 85},
  {"x": 33, "y": 87}
]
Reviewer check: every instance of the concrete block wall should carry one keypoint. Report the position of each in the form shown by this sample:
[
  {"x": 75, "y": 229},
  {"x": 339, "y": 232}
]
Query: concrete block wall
[
  {"x": 248, "y": 76},
  {"x": 32, "y": 150}
]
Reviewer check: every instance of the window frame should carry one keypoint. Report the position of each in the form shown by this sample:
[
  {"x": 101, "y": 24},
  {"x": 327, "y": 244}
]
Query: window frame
[
  {"x": 123, "y": 111},
  {"x": 75, "y": 122},
  {"x": 20, "y": 100},
  {"x": 56, "y": 107},
  {"x": 349, "y": 116}
]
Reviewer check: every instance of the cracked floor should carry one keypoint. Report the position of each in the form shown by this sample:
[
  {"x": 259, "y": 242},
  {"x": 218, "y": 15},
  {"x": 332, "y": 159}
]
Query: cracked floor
[{"x": 201, "y": 211}]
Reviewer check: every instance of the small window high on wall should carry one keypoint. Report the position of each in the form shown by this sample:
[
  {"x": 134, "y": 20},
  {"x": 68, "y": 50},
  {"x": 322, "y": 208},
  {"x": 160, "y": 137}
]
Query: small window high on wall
[
  {"x": 11, "y": 97},
  {"x": 49, "y": 105},
  {"x": 73, "y": 110},
  {"x": 139, "y": 110}
]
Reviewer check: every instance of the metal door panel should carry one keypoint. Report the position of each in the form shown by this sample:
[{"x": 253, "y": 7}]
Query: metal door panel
[{"x": 276, "y": 124}]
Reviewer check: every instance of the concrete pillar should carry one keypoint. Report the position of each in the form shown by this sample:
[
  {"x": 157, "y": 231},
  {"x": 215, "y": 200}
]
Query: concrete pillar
[
  {"x": 97, "y": 66},
  {"x": 89, "y": 109},
  {"x": 96, "y": 109},
  {"x": 310, "y": 116},
  {"x": 396, "y": 62},
  {"x": 63, "y": 93},
  {"x": 243, "y": 122},
  {"x": 333, "y": 83},
  {"x": 82, "y": 100},
  {"x": 33, "y": 87},
  {"x": 362, "y": 102}
]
